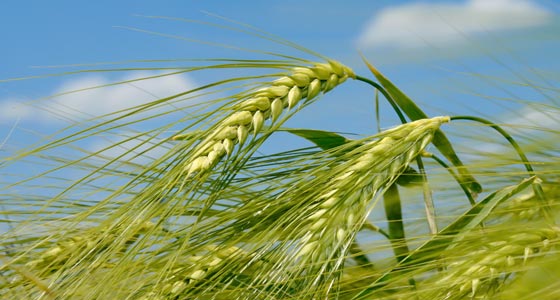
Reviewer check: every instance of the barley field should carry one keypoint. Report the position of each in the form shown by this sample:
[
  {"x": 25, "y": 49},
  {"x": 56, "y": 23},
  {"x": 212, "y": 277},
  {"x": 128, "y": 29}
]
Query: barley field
[{"x": 218, "y": 200}]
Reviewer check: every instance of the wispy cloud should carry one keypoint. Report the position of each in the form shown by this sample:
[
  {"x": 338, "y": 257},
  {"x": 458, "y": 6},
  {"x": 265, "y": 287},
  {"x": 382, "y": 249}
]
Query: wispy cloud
[
  {"x": 419, "y": 24},
  {"x": 87, "y": 102},
  {"x": 535, "y": 118}
]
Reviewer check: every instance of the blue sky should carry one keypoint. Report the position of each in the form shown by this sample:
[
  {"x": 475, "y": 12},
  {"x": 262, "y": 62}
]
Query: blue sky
[{"x": 431, "y": 49}]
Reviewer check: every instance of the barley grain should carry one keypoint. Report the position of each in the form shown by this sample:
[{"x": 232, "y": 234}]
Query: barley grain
[
  {"x": 228, "y": 145},
  {"x": 258, "y": 121},
  {"x": 294, "y": 96},
  {"x": 276, "y": 109},
  {"x": 242, "y": 133}
]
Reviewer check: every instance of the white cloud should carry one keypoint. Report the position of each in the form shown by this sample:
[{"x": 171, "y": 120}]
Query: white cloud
[
  {"x": 12, "y": 109},
  {"x": 417, "y": 24},
  {"x": 531, "y": 119},
  {"x": 97, "y": 101}
]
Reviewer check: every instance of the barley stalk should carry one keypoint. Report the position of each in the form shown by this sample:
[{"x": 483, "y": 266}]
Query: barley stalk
[{"x": 263, "y": 104}]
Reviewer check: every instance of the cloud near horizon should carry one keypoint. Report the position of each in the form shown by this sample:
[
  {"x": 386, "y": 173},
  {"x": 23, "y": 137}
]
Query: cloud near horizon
[
  {"x": 420, "y": 24},
  {"x": 96, "y": 101}
]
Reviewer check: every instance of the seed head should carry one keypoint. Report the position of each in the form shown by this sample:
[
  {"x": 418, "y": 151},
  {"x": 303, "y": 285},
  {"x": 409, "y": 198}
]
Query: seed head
[
  {"x": 266, "y": 103},
  {"x": 342, "y": 206},
  {"x": 495, "y": 259}
]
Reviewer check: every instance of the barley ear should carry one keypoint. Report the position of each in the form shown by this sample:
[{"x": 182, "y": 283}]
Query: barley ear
[
  {"x": 341, "y": 208},
  {"x": 259, "y": 105}
]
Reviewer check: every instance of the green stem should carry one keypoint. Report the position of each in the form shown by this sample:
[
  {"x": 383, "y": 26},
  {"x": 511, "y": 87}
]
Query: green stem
[
  {"x": 393, "y": 211},
  {"x": 377, "y": 117},
  {"x": 359, "y": 256},
  {"x": 537, "y": 188},
  {"x": 428, "y": 200},
  {"x": 506, "y": 135},
  {"x": 392, "y": 102},
  {"x": 375, "y": 228}
]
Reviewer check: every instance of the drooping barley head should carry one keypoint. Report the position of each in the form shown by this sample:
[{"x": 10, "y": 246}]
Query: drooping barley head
[
  {"x": 268, "y": 103},
  {"x": 475, "y": 275}
]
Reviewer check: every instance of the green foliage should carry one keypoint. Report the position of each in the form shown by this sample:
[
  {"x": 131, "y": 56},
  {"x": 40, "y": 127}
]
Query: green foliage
[{"x": 211, "y": 218}]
